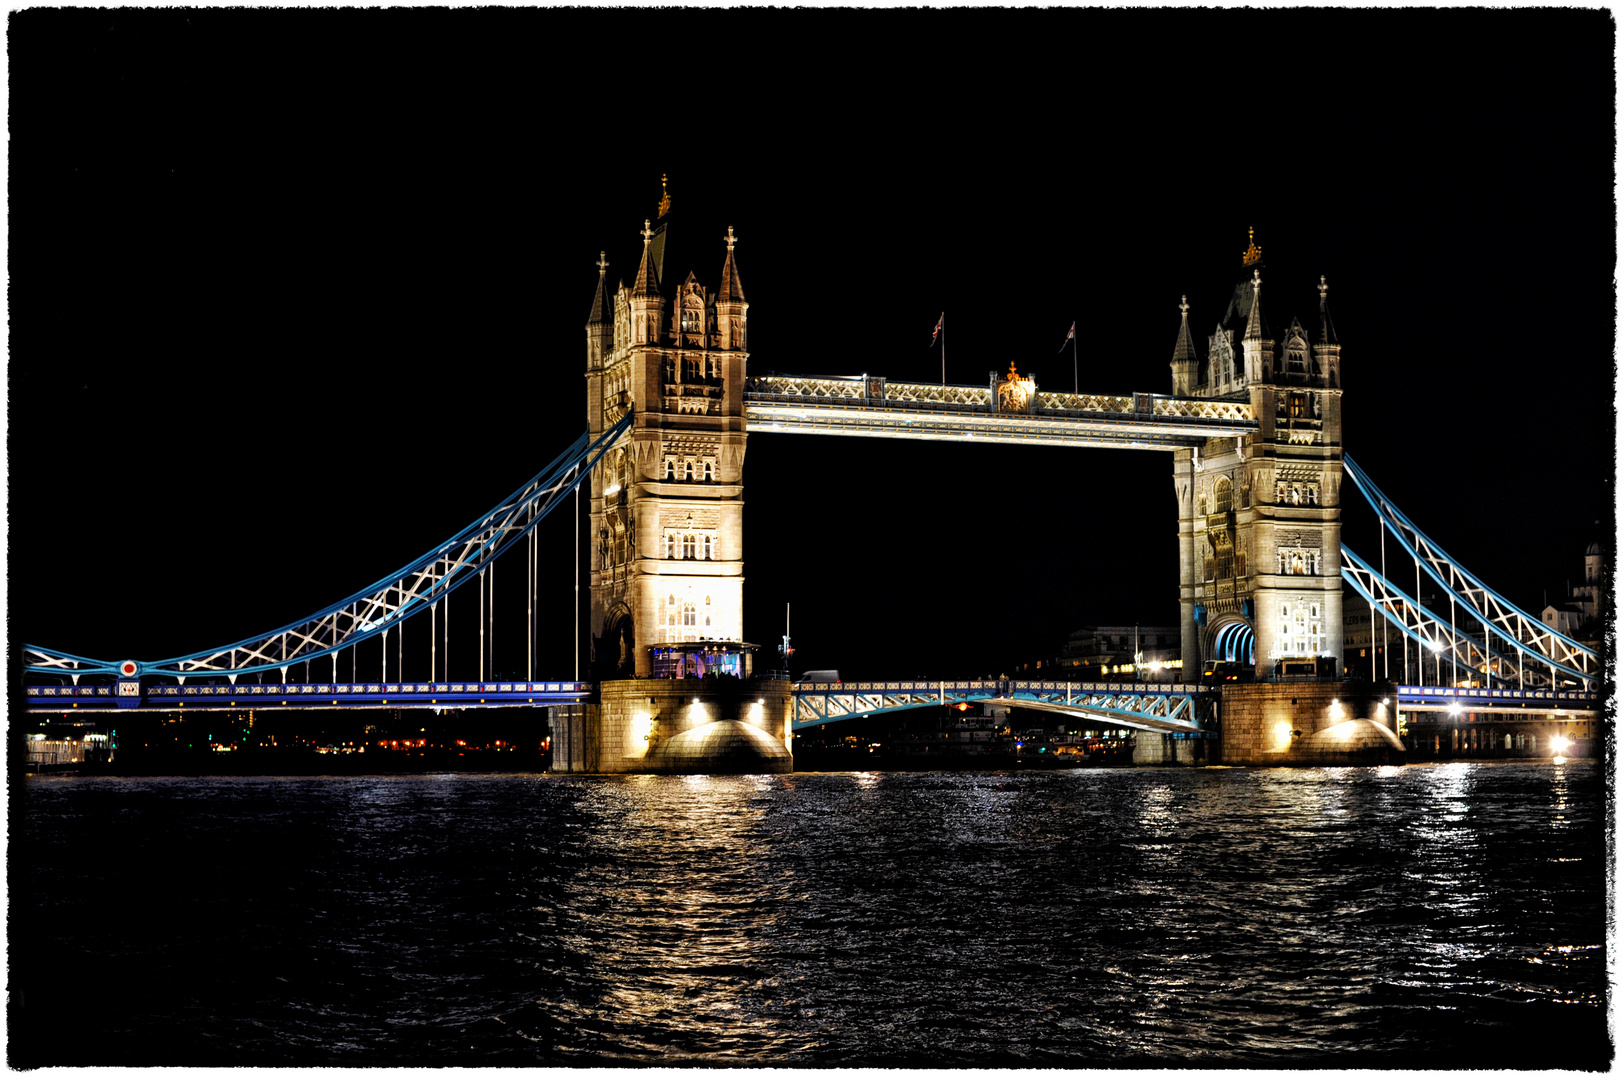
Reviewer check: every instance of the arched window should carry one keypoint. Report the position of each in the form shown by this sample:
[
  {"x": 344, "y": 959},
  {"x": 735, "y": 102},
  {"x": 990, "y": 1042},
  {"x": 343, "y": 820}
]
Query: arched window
[
  {"x": 670, "y": 545},
  {"x": 707, "y": 548},
  {"x": 709, "y": 470},
  {"x": 688, "y": 546},
  {"x": 670, "y": 611},
  {"x": 687, "y": 469},
  {"x": 707, "y": 611},
  {"x": 689, "y": 614},
  {"x": 1224, "y": 496}
]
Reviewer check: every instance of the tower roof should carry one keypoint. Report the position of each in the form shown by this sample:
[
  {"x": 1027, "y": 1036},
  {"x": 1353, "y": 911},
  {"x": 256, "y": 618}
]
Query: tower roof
[
  {"x": 731, "y": 287},
  {"x": 647, "y": 283},
  {"x": 1253, "y": 320},
  {"x": 600, "y": 303},
  {"x": 1185, "y": 347},
  {"x": 1327, "y": 329}
]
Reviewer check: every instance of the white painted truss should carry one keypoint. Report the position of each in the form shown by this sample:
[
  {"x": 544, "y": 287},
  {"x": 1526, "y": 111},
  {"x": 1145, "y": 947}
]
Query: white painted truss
[
  {"x": 382, "y": 606},
  {"x": 1146, "y": 706},
  {"x": 1481, "y": 603}
]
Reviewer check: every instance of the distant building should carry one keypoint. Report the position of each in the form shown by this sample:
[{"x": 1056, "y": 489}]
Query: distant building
[
  {"x": 1581, "y": 615},
  {"x": 1099, "y": 653}
]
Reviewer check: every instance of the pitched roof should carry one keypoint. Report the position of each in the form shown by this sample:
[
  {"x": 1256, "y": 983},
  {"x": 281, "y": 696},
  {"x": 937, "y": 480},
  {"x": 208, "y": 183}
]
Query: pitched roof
[
  {"x": 1185, "y": 348},
  {"x": 1253, "y": 319},
  {"x": 731, "y": 287},
  {"x": 647, "y": 283},
  {"x": 600, "y": 303}
]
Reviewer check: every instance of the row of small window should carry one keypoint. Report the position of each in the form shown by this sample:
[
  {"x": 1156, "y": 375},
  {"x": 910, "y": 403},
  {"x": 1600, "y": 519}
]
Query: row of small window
[
  {"x": 1296, "y": 494},
  {"x": 694, "y": 368},
  {"x": 1301, "y": 632},
  {"x": 683, "y": 613},
  {"x": 691, "y": 545},
  {"x": 690, "y": 469},
  {"x": 1298, "y": 561}
]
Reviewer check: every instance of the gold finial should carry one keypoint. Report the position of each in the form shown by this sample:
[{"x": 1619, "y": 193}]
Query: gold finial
[
  {"x": 1253, "y": 253},
  {"x": 1011, "y": 371},
  {"x": 647, "y": 233},
  {"x": 731, "y": 239},
  {"x": 1183, "y": 306},
  {"x": 664, "y": 197},
  {"x": 602, "y": 263},
  {"x": 1323, "y": 288}
]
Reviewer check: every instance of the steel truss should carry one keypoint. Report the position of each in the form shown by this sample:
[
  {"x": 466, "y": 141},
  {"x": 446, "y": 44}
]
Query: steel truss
[
  {"x": 1482, "y": 604},
  {"x": 1447, "y": 642},
  {"x": 411, "y": 590},
  {"x": 1147, "y": 706}
]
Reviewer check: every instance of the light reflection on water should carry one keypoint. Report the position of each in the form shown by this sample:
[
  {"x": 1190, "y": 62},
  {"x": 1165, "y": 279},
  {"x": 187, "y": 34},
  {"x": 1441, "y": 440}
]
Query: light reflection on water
[{"x": 1427, "y": 916}]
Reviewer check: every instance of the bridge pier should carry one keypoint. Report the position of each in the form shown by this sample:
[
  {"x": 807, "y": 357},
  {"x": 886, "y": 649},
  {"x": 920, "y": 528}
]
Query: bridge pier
[
  {"x": 680, "y": 726},
  {"x": 1310, "y": 722},
  {"x": 1169, "y": 748}
]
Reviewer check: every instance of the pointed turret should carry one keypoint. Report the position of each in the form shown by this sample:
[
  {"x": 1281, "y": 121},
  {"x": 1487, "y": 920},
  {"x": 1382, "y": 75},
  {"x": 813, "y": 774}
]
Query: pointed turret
[
  {"x": 732, "y": 311},
  {"x": 647, "y": 282},
  {"x": 647, "y": 306},
  {"x": 1327, "y": 349},
  {"x": 600, "y": 324},
  {"x": 1327, "y": 329},
  {"x": 1257, "y": 343},
  {"x": 731, "y": 287},
  {"x": 1185, "y": 361},
  {"x": 1253, "y": 318},
  {"x": 600, "y": 302}
]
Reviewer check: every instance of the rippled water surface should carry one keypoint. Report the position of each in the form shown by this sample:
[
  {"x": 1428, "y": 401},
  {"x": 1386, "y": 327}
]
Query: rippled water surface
[{"x": 1447, "y": 915}]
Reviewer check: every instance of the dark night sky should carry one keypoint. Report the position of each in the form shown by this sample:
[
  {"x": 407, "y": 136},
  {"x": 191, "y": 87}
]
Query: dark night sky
[{"x": 297, "y": 294}]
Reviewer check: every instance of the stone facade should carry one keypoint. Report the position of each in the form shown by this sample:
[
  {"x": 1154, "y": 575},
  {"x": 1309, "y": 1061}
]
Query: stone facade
[
  {"x": 635, "y": 718},
  {"x": 667, "y": 501},
  {"x": 1259, "y": 517}
]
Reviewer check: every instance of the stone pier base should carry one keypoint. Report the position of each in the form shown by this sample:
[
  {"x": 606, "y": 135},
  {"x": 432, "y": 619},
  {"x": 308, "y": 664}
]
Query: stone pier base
[
  {"x": 1329, "y": 722},
  {"x": 683, "y": 726},
  {"x": 1165, "y": 748}
]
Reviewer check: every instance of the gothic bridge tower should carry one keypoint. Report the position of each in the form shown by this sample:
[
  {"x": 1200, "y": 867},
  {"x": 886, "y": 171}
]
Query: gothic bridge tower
[
  {"x": 1259, "y": 517},
  {"x": 666, "y": 524}
]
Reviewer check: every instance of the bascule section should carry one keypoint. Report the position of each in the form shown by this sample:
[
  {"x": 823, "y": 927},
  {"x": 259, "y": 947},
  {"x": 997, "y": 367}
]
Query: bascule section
[{"x": 1259, "y": 514}]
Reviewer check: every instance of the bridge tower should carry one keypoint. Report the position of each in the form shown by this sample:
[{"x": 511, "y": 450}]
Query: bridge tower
[
  {"x": 667, "y": 506},
  {"x": 1259, "y": 516}
]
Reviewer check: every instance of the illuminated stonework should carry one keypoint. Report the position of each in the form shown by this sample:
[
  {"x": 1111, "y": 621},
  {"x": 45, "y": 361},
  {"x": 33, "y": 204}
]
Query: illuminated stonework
[
  {"x": 667, "y": 502},
  {"x": 1259, "y": 517}
]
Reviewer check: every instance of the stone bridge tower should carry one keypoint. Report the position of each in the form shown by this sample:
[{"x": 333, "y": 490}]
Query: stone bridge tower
[
  {"x": 1259, "y": 517},
  {"x": 666, "y": 523}
]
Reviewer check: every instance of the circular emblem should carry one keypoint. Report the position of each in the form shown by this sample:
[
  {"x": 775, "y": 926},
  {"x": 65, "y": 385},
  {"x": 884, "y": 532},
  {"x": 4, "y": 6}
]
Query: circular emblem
[{"x": 129, "y": 667}]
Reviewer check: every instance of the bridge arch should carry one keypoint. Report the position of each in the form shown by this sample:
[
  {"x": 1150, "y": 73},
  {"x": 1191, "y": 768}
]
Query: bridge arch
[{"x": 1233, "y": 639}]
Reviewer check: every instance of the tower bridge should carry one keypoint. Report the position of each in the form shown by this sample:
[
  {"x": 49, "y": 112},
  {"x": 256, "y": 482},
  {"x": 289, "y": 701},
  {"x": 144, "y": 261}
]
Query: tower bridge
[{"x": 1253, "y": 427}]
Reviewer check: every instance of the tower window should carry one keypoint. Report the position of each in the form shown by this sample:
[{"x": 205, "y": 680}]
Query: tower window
[
  {"x": 1224, "y": 496},
  {"x": 709, "y": 470},
  {"x": 689, "y": 615},
  {"x": 688, "y": 544}
]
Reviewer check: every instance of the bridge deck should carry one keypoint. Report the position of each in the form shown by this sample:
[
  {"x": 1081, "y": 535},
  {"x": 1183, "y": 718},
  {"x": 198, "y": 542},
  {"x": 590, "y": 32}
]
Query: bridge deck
[{"x": 362, "y": 695}]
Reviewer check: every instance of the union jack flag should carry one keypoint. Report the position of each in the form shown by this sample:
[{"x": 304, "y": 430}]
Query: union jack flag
[
  {"x": 937, "y": 332},
  {"x": 1069, "y": 334}
]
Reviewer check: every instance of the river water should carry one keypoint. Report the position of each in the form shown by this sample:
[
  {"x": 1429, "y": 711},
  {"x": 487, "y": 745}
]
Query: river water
[{"x": 1427, "y": 916}]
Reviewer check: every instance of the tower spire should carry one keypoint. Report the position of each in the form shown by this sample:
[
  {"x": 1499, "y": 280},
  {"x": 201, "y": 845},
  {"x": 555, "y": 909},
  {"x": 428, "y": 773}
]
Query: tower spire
[
  {"x": 1327, "y": 330},
  {"x": 600, "y": 302},
  {"x": 731, "y": 287},
  {"x": 1185, "y": 348},
  {"x": 1253, "y": 319},
  {"x": 647, "y": 283}
]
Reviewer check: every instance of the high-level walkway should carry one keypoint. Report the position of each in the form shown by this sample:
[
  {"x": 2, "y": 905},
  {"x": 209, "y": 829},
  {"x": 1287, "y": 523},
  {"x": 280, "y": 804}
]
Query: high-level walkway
[{"x": 872, "y": 405}]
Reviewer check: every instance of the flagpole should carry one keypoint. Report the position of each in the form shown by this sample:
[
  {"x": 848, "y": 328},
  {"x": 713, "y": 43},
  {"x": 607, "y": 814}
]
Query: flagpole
[
  {"x": 943, "y": 348},
  {"x": 1076, "y": 380}
]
